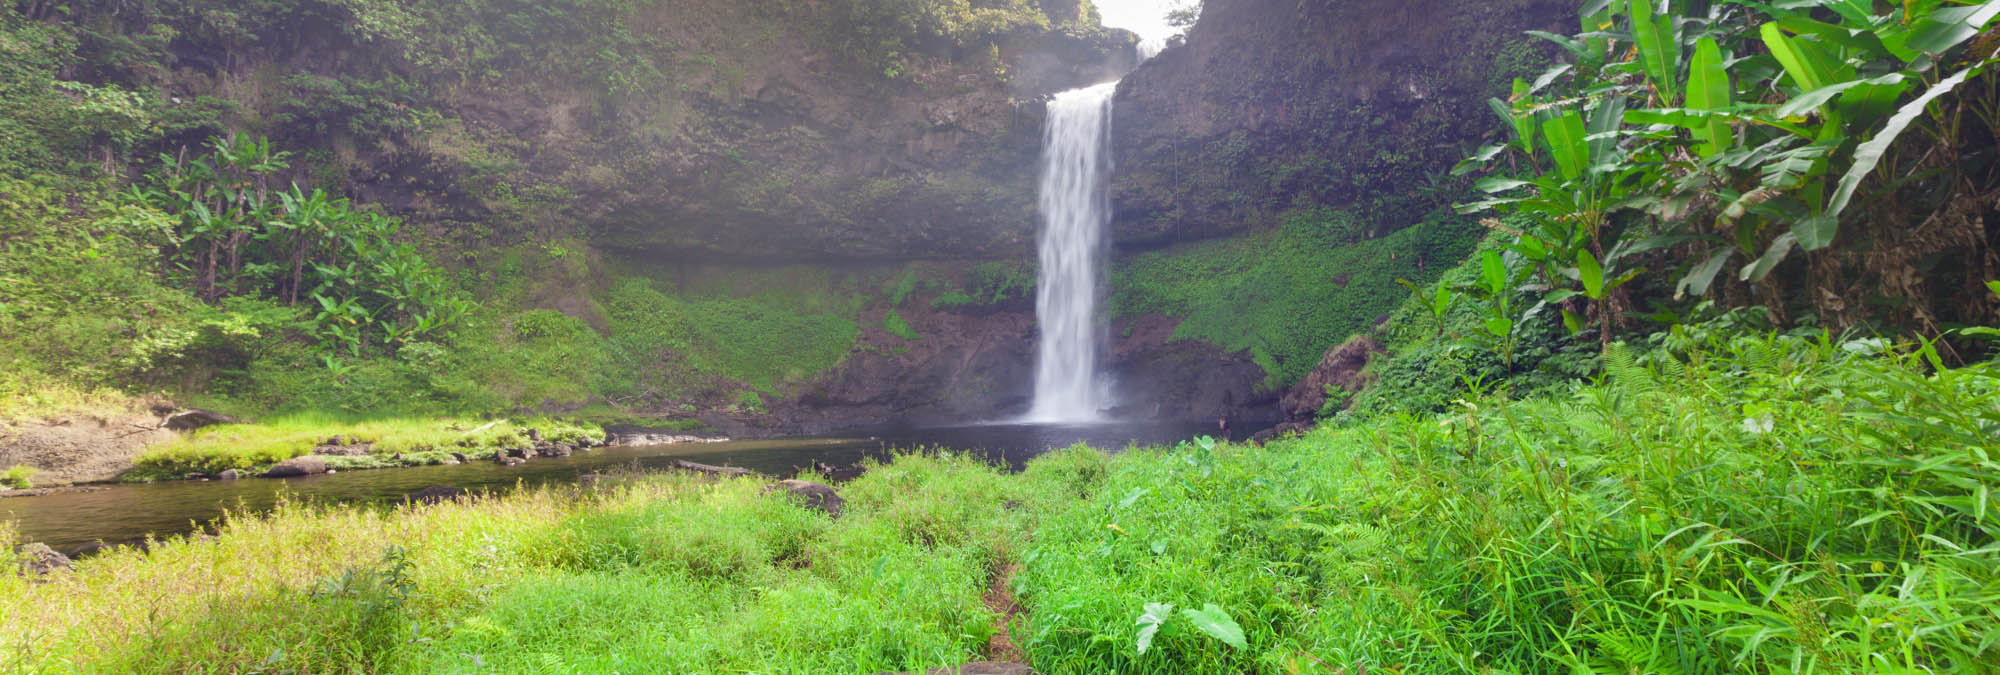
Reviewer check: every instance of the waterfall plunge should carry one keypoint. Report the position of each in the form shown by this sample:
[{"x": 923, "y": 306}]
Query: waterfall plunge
[{"x": 1075, "y": 207}]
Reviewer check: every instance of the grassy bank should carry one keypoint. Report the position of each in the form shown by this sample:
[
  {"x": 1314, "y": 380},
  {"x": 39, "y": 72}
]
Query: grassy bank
[
  {"x": 356, "y": 443},
  {"x": 662, "y": 574},
  {"x": 1718, "y": 504}
]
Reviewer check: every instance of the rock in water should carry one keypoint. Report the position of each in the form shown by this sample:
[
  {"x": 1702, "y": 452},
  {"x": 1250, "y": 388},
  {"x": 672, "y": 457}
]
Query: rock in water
[
  {"x": 812, "y": 495},
  {"x": 229, "y": 474},
  {"x": 38, "y": 559},
  {"x": 297, "y": 466}
]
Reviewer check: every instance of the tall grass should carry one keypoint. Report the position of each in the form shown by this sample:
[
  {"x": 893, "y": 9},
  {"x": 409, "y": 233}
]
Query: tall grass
[
  {"x": 1743, "y": 505},
  {"x": 662, "y": 573},
  {"x": 416, "y": 440}
]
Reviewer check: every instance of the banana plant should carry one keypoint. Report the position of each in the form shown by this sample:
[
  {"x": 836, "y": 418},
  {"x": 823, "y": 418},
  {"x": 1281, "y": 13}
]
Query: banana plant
[{"x": 1724, "y": 131}]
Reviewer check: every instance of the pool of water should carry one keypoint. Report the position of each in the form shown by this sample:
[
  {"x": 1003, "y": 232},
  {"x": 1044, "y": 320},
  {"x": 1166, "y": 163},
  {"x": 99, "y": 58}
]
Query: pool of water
[{"x": 122, "y": 513}]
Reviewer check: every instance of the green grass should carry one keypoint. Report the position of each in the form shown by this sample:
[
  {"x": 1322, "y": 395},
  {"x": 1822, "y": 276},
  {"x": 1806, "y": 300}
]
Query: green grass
[
  {"x": 1752, "y": 505},
  {"x": 665, "y": 573},
  {"x": 1717, "y": 503},
  {"x": 417, "y": 440},
  {"x": 1334, "y": 285}
]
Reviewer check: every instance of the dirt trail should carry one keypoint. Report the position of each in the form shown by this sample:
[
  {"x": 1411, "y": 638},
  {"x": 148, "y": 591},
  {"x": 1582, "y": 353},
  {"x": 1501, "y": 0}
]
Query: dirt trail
[{"x": 1000, "y": 598}]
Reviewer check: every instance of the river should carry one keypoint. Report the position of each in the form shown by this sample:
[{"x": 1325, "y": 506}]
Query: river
[{"x": 123, "y": 513}]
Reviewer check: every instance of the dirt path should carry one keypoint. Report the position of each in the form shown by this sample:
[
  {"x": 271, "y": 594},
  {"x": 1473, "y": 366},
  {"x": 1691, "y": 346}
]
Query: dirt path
[{"x": 1000, "y": 598}]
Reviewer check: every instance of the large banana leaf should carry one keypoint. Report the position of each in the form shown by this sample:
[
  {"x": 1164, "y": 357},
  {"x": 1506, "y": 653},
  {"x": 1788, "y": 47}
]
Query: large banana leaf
[
  {"x": 1659, "y": 52},
  {"x": 1708, "y": 89},
  {"x": 1566, "y": 141}
]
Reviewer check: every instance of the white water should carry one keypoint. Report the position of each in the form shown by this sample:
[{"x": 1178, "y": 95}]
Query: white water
[
  {"x": 1151, "y": 47},
  {"x": 1075, "y": 207}
]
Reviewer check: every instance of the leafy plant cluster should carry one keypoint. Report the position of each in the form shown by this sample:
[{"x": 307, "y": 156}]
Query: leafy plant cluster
[
  {"x": 240, "y": 235},
  {"x": 988, "y": 284},
  {"x": 1689, "y": 138}
]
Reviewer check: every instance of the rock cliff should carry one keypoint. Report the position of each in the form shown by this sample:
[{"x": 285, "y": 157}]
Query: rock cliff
[{"x": 1274, "y": 103}]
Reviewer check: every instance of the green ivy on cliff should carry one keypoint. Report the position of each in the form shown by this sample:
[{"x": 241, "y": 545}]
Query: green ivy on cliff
[{"x": 1287, "y": 295}]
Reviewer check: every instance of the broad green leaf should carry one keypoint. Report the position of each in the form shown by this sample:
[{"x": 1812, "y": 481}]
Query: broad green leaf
[
  {"x": 1566, "y": 141},
  {"x": 1702, "y": 276},
  {"x": 1149, "y": 623},
  {"x": 1780, "y": 247},
  {"x": 1794, "y": 60},
  {"x": 1708, "y": 89},
  {"x": 1550, "y": 75},
  {"x": 1493, "y": 271},
  {"x": 1805, "y": 103},
  {"x": 1817, "y": 231},
  {"x": 1870, "y": 153},
  {"x": 1659, "y": 53},
  {"x": 1604, "y": 128},
  {"x": 1216, "y": 623},
  {"x": 1591, "y": 274},
  {"x": 1571, "y": 322},
  {"x": 1993, "y": 286},
  {"x": 1570, "y": 44},
  {"x": 1499, "y": 327},
  {"x": 1946, "y": 28},
  {"x": 1441, "y": 302}
]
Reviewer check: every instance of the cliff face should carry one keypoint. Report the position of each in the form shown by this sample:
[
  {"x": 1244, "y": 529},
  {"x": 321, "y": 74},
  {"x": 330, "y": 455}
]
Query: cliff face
[
  {"x": 829, "y": 130},
  {"x": 1275, "y": 103}
]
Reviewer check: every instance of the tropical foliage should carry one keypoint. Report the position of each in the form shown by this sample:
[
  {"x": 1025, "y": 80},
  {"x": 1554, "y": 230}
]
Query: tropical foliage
[
  {"x": 239, "y": 234},
  {"x": 1831, "y": 156}
]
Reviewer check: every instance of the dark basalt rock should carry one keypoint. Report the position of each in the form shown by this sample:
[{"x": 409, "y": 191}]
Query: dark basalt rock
[
  {"x": 196, "y": 419},
  {"x": 297, "y": 466},
  {"x": 811, "y": 495},
  {"x": 38, "y": 559}
]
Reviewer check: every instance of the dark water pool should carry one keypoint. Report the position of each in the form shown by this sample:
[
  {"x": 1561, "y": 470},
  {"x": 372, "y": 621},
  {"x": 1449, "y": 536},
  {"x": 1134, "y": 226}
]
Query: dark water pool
[{"x": 126, "y": 513}]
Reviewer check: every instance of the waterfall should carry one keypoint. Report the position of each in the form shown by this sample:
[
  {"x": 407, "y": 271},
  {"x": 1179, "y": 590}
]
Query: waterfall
[
  {"x": 1151, "y": 47},
  {"x": 1075, "y": 207}
]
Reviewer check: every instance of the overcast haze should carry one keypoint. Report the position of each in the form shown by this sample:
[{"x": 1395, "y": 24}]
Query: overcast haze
[{"x": 1148, "y": 18}]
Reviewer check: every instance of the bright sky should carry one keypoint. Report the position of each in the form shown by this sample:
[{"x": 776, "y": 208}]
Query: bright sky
[{"x": 1148, "y": 18}]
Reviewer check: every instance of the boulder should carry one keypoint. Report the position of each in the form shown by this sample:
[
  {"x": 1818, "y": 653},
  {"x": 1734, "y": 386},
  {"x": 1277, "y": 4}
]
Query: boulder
[
  {"x": 37, "y": 559},
  {"x": 811, "y": 495},
  {"x": 229, "y": 474},
  {"x": 343, "y": 449},
  {"x": 555, "y": 449},
  {"x": 196, "y": 419},
  {"x": 460, "y": 457},
  {"x": 297, "y": 466},
  {"x": 1342, "y": 367},
  {"x": 508, "y": 460},
  {"x": 435, "y": 494}
]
